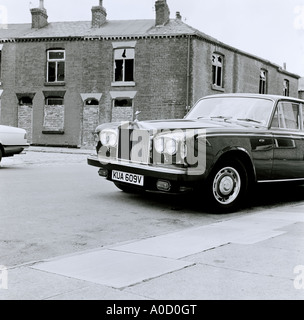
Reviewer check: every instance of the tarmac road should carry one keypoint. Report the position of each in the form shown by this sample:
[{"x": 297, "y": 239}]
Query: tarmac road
[{"x": 66, "y": 233}]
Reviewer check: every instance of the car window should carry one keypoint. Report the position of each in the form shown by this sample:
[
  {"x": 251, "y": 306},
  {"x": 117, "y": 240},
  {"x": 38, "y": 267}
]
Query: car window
[
  {"x": 287, "y": 116},
  {"x": 256, "y": 110}
]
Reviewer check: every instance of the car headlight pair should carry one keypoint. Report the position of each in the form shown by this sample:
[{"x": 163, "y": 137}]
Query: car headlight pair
[
  {"x": 108, "y": 138},
  {"x": 166, "y": 145},
  {"x": 169, "y": 144}
]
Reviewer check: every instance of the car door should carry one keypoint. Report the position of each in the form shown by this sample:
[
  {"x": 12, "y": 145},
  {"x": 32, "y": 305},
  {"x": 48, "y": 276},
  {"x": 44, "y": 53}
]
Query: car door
[
  {"x": 262, "y": 147},
  {"x": 287, "y": 126}
]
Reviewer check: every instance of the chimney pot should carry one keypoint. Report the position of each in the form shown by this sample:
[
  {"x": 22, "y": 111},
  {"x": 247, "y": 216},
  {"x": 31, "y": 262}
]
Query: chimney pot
[{"x": 178, "y": 16}]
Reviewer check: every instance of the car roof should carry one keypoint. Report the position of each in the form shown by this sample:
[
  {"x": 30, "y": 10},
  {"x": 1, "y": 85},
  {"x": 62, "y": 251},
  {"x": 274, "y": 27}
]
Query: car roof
[{"x": 254, "y": 95}]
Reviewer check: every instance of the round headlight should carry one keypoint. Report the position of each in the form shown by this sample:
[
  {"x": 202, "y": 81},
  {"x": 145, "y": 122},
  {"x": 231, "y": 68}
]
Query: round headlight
[
  {"x": 159, "y": 144},
  {"x": 170, "y": 146},
  {"x": 108, "y": 138}
]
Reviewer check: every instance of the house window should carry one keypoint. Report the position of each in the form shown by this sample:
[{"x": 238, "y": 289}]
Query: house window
[
  {"x": 56, "y": 101},
  {"x": 25, "y": 101},
  {"x": 217, "y": 70},
  {"x": 123, "y": 102},
  {"x": 286, "y": 88},
  {"x": 92, "y": 102},
  {"x": 55, "y": 65},
  {"x": 54, "y": 109},
  {"x": 124, "y": 64},
  {"x": 122, "y": 105},
  {"x": 263, "y": 82}
]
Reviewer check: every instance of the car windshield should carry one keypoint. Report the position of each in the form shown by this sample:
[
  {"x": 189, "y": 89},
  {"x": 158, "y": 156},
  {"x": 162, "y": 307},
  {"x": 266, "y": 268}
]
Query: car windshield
[{"x": 247, "y": 109}]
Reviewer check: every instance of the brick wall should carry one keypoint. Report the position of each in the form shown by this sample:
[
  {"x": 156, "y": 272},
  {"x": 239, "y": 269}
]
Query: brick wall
[
  {"x": 161, "y": 78},
  {"x": 25, "y": 120},
  {"x": 90, "y": 122},
  {"x": 241, "y": 72},
  {"x": 53, "y": 120},
  {"x": 122, "y": 114}
]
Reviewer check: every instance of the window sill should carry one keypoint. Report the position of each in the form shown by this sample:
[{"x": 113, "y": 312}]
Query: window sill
[
  {"x": 53, "y": 131},
  {"x": 217, "y": 88},
  {"x": 54, "y": 84},
  {"x": 123, "y": 84}
]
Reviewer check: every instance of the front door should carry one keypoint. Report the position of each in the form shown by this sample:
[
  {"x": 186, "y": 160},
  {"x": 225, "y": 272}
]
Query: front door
[{"x": 287, "y": 129}]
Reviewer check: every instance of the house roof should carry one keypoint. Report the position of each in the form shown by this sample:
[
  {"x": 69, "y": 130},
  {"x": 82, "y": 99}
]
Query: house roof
[{"x": 113, "y": 28}]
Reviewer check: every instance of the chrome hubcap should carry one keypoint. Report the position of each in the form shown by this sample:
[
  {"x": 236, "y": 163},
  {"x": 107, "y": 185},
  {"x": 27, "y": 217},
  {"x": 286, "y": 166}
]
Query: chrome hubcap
[{"x": 226, "y": 185}]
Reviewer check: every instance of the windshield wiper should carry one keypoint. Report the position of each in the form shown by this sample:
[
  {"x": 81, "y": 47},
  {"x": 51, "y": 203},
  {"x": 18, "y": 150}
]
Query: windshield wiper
[
  {"x": 250, "y": 120},
  {"x": 221, "y": 117},
  {"x": 216, "y": 117}
]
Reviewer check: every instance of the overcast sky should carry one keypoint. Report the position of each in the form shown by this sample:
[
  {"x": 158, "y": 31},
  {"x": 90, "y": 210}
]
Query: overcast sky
[{"x": 270, "y": 29}]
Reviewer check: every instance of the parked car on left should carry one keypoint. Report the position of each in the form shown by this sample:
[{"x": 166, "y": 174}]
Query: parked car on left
[{"x": 12, "y": 141}]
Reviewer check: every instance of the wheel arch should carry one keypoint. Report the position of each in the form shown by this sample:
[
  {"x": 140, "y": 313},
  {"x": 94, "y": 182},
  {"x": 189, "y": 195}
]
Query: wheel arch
[{"x": 241, "y": 155}]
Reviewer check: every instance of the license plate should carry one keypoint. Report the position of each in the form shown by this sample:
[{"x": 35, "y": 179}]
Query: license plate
[{"x": 130, "y": 178}]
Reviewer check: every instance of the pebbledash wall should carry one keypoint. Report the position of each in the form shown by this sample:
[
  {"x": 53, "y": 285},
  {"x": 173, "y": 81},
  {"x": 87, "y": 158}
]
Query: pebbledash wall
[{"x": 174, "y": 66}]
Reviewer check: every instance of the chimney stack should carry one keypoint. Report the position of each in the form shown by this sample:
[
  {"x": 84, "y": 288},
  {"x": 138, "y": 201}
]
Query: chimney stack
[
  {"x": 178, "y": 16},
  {"x": 39, "y": 16},
  {"x": 162, "y": 12},
  {"x": 99, "y": 15}
]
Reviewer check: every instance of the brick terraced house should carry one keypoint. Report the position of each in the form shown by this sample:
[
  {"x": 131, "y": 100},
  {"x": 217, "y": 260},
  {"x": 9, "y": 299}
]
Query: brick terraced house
[{"x": 59, "y": 80}]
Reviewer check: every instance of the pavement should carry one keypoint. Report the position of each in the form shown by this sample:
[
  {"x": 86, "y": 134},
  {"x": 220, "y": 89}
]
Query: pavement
[
  {"x": 259, "y": 256},
  {"x": 87, "y": 150}
]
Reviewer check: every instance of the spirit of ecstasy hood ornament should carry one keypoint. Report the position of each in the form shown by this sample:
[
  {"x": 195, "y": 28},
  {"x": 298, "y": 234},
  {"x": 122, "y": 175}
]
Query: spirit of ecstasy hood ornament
[{"x": 137, "y": 113}]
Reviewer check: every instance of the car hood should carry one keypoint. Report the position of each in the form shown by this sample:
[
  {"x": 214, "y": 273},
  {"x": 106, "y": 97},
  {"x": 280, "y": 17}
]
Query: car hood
[
  {"x": 209, "y": 125},
  {"x": 172, "y": 124},
  {"x": 8, "y": 129},
  {"x": 182, "y": 124}
]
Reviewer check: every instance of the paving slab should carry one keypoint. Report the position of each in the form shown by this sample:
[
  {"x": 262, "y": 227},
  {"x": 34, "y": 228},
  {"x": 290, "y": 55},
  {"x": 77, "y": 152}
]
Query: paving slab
[
  {"x": 246, "y": 230},
  {"x": 26, "y": 283},
  {"x": 253, "y": 259},
  {"x": 203, "y": 282},
  {"x": 292, "y": 213},
  {"x": 111, "y": 268}
]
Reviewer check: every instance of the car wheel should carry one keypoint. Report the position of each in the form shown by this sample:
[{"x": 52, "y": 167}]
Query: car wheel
[{"x": 227, "y": 186}]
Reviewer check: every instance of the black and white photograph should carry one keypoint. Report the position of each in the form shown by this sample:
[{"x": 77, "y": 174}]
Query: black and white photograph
[{"x": 151, "y": 153}]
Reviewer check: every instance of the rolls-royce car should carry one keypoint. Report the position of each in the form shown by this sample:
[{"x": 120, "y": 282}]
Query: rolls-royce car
[
  {"x": 224, "y": 146},
  {"x": 12, "y": 141}
]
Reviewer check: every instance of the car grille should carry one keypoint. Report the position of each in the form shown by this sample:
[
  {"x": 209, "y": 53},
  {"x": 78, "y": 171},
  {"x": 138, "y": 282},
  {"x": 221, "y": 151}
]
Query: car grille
[{"x": 134, "y": 145}]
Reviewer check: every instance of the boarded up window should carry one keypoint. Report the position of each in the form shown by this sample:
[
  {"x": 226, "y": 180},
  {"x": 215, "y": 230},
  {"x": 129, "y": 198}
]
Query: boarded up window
[
  {"x": 25, "y": 114},
  {"x": 53, "y": 121}
]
